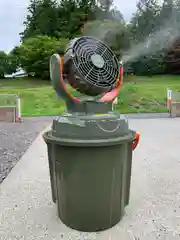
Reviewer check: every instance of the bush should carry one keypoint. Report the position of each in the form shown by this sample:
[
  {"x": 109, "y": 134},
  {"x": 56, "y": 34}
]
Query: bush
[
  {"x": 8, "y": 64},
  {"x": 149, "y": 65},
  {"x": 36, "y": 52}
]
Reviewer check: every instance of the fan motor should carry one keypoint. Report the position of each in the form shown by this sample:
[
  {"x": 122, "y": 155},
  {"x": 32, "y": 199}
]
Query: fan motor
[{"x": 90, "y": 66}]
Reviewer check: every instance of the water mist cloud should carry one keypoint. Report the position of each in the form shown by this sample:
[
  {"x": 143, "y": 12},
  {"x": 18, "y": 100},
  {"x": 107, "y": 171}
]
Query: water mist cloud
[{"x": 160, "y": 40}]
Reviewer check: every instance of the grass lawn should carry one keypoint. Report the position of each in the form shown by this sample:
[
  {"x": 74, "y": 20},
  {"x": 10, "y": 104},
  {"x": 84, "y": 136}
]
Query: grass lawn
[{"x": 138, "y": 95}]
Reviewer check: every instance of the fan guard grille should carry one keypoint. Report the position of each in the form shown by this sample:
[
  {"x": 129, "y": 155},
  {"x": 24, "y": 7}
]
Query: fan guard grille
[{"x": 105, "y": 72}]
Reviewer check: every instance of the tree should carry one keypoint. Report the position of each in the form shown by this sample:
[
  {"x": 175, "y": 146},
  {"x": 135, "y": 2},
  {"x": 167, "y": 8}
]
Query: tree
[
  {"x": 15, "y": 53},
  {"x": 105, "y": 5},
  {"x": 146, "y": 55},
  {"x": 12, "y": 64},
  {"x": 171, "y": 15},
  {"x": 172, "y": 58},
  {"x": 105, "y": 10},
  {"x": 62, "y": 19},
  {"x": 146, "y": 19},
  {"x": 42, "y": 19},
  {"x": 36, "y": 52},
  {"x": 72, "y": 15},
  {"x": 166, "y": 11},
  {"x": 113, "y": 33},
  {"x": 30, "y": 22},
  {"x": 3, "y": 64},
  {"x": 116, "y": 15}
]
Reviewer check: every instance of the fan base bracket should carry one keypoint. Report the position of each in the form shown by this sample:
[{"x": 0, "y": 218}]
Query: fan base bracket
[{"x": 89, "y": 107}]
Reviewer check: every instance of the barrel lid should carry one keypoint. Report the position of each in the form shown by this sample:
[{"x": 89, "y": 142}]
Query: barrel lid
[
  {"x": 86, "y": 127},
  {"x": 49, "y": 138}
]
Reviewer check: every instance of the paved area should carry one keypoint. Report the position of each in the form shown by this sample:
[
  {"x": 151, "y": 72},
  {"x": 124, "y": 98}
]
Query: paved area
[
  {"x": 27, "y": 212},
  {"x": 147, "y": 115}
]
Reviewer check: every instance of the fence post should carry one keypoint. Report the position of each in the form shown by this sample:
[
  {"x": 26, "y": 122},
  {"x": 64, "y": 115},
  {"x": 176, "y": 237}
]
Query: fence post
[
  {"x": 115, "y": 102},
  {"x": 18, "y": 108},
  {"x": 169, "y": 100}
]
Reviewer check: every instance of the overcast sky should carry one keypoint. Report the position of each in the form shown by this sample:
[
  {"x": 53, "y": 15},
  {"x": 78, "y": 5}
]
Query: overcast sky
[{"x": 12, "y": 15}]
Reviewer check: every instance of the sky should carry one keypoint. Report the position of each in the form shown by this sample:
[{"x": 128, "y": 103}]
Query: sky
[{"x": 12, "y": 15}]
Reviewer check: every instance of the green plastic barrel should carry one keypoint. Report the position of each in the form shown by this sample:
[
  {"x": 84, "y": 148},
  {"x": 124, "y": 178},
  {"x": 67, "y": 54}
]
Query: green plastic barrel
[
  {"x": 51, "y": 160},
  {"x": 90, "y": 169}
]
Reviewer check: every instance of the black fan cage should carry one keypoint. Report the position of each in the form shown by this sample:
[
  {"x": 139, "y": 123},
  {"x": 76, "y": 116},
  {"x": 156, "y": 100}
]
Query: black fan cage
[{"x": 107, "y": 75}]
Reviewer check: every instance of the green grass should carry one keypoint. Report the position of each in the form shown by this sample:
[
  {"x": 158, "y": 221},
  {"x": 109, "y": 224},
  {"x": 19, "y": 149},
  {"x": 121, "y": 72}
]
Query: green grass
[{"x": 138, "y": 95}]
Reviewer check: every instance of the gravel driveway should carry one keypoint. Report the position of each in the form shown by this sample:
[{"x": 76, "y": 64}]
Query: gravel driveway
[{"x": 15, "y": 140}]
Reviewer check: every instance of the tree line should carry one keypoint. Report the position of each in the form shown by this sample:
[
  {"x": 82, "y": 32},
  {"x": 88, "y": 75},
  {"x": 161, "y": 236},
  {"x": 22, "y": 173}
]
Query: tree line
[{"x": 50, "y": 24}]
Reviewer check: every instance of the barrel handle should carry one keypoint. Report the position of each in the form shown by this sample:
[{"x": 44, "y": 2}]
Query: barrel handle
[
  {"x": 136, "y": 141},
  {"x": 108, "y": 131}
]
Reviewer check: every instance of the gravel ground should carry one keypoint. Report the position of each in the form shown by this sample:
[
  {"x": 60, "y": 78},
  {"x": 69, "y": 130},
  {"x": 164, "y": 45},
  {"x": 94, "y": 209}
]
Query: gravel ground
[{"x": 15, "y": 140}]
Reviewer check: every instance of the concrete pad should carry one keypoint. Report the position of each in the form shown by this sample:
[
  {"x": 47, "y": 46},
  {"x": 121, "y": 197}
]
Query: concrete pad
[{"x": 27, "y": 212}]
